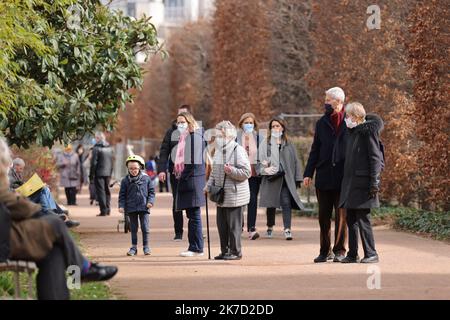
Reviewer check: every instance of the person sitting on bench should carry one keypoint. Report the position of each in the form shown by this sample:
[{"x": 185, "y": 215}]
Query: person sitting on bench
[
  {"x": 44, "y": 240},
  {"x": 43, "y": 196}
]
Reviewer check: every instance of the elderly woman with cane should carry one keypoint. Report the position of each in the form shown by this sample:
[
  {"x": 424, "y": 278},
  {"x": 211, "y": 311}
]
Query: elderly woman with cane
[
  {"x": 364, "y": 161},
  {"x": 229, "y": 179}
]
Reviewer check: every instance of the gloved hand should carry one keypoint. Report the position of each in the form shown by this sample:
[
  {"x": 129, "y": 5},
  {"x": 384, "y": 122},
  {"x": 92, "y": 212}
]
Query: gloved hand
[
  {"x": 373, "y": 192},
  {"x": 270, "y": 171}
]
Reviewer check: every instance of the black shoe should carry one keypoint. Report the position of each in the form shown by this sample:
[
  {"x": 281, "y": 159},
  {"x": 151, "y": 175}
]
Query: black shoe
[
  {"x": 220, "y": 257},
  {"x": 232, "y": 257},
  {"x": 348, "y": 259},
  {"x": 178, "y": 237},
  {"x": 72, "y": 224},
  {"x": 91, "y": 202},
  {"x": 372, "y": 259},
  {"x": 320, "y": 258},
  {"x": 338, "y": 258},
  {"x": 99, "y": 272}
]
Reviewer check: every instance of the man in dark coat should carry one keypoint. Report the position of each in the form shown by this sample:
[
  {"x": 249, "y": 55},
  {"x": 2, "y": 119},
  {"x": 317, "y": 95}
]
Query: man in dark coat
[
  {"x": 166, "y": 165},
  {"x": 101, "y": 171},
  {"x": 361, "y": 183},
  {"x": 327, "y": 158}
]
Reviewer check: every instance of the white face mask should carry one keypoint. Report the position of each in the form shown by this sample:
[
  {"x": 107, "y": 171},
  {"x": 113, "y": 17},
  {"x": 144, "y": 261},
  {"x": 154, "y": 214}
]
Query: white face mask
[
  {"x": 182, "y": 127},
  {"x": 350, "y": 124},
  {"x": 277, "y": 134},
  {"x": 220, "y": 141}
]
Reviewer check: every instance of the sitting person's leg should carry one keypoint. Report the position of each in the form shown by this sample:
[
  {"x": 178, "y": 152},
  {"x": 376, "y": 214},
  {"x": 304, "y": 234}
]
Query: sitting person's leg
[{"x": 51, "y": 279}]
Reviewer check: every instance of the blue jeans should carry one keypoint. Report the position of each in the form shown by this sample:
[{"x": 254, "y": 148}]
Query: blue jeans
[
  {"x": 44, "y": 198},
  {"x": 143, "y": 218},
  {"x": 195, "y": 234}
]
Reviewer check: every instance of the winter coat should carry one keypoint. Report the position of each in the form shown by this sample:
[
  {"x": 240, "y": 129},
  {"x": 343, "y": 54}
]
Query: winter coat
[
  {"x": 192, "y": 180},
  {"x": 101, "y": 161},
  {"x": 69, "y": 169},
  {"x": 136, "y": 192},
  {"x": 288, "y": 162},
  {"x": 363, "y": 164},
  {"x": 237, "y": 191},
  {"x": 29, "y": 238},
  {"x": 15, "y": 179},
  {"x": 327, "y": 155},
  {"x": 170, "y": 141},
  {"x": 258, "y": 139}
]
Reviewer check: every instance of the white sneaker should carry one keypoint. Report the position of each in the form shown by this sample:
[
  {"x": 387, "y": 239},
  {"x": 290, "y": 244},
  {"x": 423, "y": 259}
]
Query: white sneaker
[
  {"x": 288, "y": 234},
  {"x": 191, "y": 254}
]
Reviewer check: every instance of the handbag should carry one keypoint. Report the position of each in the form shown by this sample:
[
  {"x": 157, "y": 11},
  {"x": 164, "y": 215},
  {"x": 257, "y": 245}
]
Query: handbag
[
  {"x": 217, "y": 193},
  {"x": 277, "y": 175}
]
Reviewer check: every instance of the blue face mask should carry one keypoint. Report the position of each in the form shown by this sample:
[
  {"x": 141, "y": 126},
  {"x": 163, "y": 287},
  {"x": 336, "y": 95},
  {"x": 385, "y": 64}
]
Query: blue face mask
[{"x": 248, "y": 127}]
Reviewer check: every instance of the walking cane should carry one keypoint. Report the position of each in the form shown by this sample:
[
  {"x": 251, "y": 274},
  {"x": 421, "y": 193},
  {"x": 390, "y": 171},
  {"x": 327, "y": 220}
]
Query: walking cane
[{"x": 207, "y": 227}]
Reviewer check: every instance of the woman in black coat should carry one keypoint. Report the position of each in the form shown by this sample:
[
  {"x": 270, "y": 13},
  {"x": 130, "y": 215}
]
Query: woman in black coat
[
  {"x": 361, "y": 182},
  {"x": 189, "y": 171}
]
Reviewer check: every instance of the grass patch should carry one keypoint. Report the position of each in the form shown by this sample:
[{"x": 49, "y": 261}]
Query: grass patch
[
  {"x": 426, "y": 223},
  {"x": 92, "y": 290}
]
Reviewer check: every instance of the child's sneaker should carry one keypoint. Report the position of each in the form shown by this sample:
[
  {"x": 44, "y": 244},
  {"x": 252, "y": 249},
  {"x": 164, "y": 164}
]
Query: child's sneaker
[
  {"x": 132, "y": 251},
  {"x": 147, "y": 251},
  {"x": 269, "y": 233},
  {"x": 288, "y": 234}
]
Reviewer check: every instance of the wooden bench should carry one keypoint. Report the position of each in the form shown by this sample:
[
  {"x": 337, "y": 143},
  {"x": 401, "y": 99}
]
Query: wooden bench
[{"x": 18, "y": 266}]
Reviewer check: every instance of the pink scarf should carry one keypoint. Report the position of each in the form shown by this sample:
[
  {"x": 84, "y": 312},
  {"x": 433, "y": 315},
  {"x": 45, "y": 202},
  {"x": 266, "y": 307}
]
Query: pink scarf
[{"x": 179, "y": 160}]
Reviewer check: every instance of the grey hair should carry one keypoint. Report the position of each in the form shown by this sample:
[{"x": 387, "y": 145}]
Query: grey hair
[
  {"x": 228, "y": 127},
  {"x": 100, "y": 135},
  {"x": 18, "y": 161},
  {"x": 356, "y": 109},
  {"x": 336, "y": 93},
  {"x": 5, "y": 161}
]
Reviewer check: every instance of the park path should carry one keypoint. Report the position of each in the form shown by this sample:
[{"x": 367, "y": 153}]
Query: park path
[{"x": 411, "y": 267}]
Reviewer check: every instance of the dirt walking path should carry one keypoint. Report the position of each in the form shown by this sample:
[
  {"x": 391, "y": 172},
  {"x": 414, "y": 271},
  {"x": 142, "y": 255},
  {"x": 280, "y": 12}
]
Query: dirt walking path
[{"x": 411, "y": 267}]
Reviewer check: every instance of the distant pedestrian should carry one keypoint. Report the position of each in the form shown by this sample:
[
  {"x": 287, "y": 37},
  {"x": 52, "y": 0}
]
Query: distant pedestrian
[
  {"x": 101, "y": 172},
  {"x": 249, "y": 138},
  {"x": 68, "y": 164},
  {"x": 281, "y": 171}
]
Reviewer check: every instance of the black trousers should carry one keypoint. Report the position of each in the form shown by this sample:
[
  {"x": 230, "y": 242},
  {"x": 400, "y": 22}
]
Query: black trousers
[
  {"x": 103, "y": 194},
  {"x": 71, "y": 195},
  {"x": 359, "y": 220},
  {"x": 51, "y": 279},
  {"x": 329, "y": 200},
  {"x": 177, "y": 214},
  {"x": 254, "y": 184}
]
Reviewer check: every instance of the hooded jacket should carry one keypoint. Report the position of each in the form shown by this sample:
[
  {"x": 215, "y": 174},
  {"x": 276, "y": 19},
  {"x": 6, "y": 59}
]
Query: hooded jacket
[{"x": 363, "y": 164}]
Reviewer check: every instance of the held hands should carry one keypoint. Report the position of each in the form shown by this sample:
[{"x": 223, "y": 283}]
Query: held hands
[
  {"x": 121, "y": 210},
  {"x": 307, "y": 181},
  {"x": 228, "y": 168},
  {"x": 162, "y": 177},
  {"x": 270, "y": 171}
]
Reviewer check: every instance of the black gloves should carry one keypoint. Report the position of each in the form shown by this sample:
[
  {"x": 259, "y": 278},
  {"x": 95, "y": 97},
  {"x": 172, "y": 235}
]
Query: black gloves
[{"x": 298, "y": 184}]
